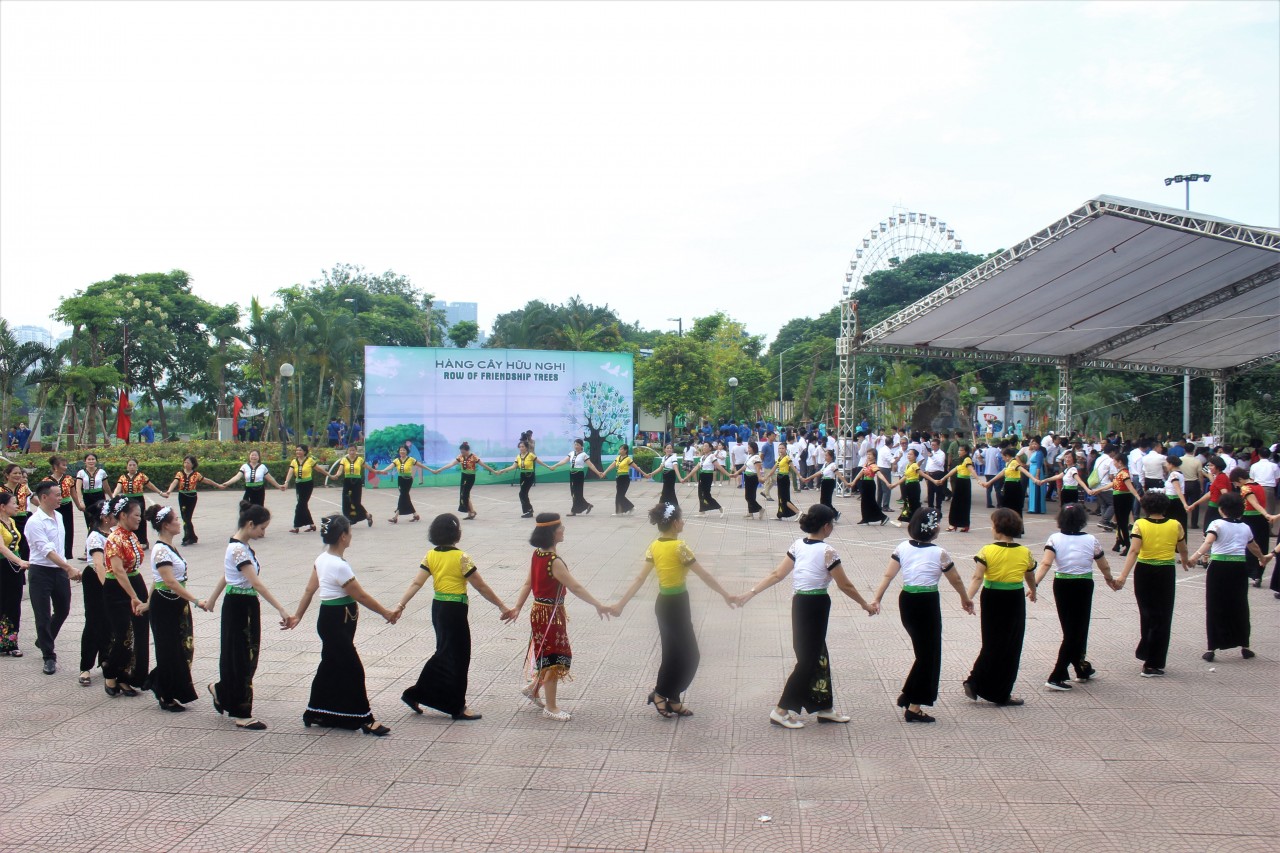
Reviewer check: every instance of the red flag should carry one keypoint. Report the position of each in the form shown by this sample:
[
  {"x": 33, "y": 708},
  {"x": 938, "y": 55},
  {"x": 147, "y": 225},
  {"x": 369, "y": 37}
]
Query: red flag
[
  {"x": 236, "y": 406},
  {"x": 123, "y": 422}
]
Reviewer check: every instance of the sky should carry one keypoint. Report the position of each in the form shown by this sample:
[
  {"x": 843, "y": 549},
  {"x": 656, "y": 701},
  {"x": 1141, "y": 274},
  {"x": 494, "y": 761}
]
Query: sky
[{"x": 669, "y": 160}]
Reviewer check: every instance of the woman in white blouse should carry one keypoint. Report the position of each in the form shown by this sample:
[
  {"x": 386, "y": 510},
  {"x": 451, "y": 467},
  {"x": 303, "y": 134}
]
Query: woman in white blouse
[
  {"x": 170, "y": 612},
  {"x": 256, "y": 476}
]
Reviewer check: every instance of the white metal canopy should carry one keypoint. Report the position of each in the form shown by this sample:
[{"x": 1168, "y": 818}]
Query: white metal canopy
[{"x": 1116, "y": 284}]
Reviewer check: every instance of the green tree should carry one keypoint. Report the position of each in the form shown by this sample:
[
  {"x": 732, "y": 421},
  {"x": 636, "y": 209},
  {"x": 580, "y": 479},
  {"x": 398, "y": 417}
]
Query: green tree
[
  {"x": 597, "y": 412},
  {"x": 15, "y": 360},
  {"x": 463, "y": 333},
  {"x": 678, "y": 377}
]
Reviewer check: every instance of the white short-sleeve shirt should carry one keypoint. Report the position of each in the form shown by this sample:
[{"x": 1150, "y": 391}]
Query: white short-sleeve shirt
[
  {"x": 333, "y": 572},
  {"x": 162, "y": 554},
  {"x": 814, "y": 561},
  {"x": 922, "y": 562},
  {"x": 1074, "y": 553},
  {"x": 239, "y": 557},
  {"x": 1232, "y": 538}
]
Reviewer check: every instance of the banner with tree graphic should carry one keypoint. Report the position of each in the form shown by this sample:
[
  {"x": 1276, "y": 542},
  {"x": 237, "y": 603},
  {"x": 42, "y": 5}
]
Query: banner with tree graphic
[{"x": 436, "y": 398}]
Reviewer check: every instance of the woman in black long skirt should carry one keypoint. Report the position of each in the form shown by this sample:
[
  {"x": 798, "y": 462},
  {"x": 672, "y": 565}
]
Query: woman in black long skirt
[
  {"x": 133, "y": 484},
  {"x": 170, "y": 610},
  {"x": 1254, "y": 498},
  {"x": 786, "y": 509},
  {"x": 1152, "y": 563},
  {"x": 12, "y": 576},
  {"x": 670, "y": 559},
  {"x": 1074, "y": 552},
  {"x": 1013, "y": 493},
  {"x": 302, "y": 474},
  {"x": 909, "y": 487},
  {"x": 256, "y": 478},
  {"x": 579, "y": 462},
  {"x": 95, "y": 639},
  {"x": 467, "y": 462},
  {"x": 91, "y": 483},
  {"x": 68, "y": 502},
  {"x": 830, "y": 474},
  {"x": 1175, "y": 489},
  {"x": 185, "y": 483},
  {"x": 352, "y": 467},
  {"x": 870, "y": 503},
  {"x": 670, "y": 468},
  {"x": 750, "y": 471},
  {"x": 813, "y": 565},
  {"x": 708, "y": 464},
  {"x": 1123, "y": 498},
  {"x": 242, "y": 618},
  {"x": 338, "y": 695},
  {"x": 961, "y": 491},
  {"x": 124, "y": 596},
  {"x": 443, "y": 682},
  {"x": 1069, "y": 477},
  {"x": 1002, "y": 568},
  {"x": 922, "y": 564},
  {"x": 622, "y": 482},
  {"x": 1226, "y": 596},
  {"x": 15, "y": 484},
  {"x": 524, "y": 462},
  {"x": 404, "y": 466}
]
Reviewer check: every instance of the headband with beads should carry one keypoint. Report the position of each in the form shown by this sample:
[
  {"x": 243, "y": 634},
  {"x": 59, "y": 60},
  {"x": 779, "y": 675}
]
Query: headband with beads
[{"x": 163, "y": 513}]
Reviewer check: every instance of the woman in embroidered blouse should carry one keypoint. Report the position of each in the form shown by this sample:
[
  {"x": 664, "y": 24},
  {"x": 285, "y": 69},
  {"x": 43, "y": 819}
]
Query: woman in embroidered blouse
[
  {"x": 12, "y": 578},
  {"x": 550, "y": 656},
  {"x": 133, "y": 484},
  {"x": 69, "y": 495},
  {"x": 813, "y": 565},
  {"x": 302, "y": 470},
  {"x": 622, "y": 464},
  {"x": 468, "y": 462},
  {"x": 1255, "y": 515},
  {"x": 671, "y": 560},
  {"x": 242, "y": 618},
  {"x": 185, "y": 483},
  {"x": 95, "y": 638},
  {"x": 442, "y": 683},
  {"x": 15, "y": 483},
  {"x": 91, "y": 485},
  {"x": 124, "y": 596},
  {"x": 256, "y": 476},
  {"x": 339, "y": 698},
  {"x": 170, "y": 611},
  {"x": 922, "y": 563}
]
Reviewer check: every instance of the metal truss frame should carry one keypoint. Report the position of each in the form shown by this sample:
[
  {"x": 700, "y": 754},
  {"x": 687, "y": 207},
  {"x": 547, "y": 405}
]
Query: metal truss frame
[
  {"x": 961, "y": 354},
  {"x": 847, "y": 395},
  {"x": 1064, "y": 397},
  {"x": 1219, "y": 423}
]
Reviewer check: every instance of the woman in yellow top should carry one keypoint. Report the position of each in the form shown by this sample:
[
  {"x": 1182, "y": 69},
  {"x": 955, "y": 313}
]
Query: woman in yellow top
[
  {"x": 404, "y": 466},
  {"x": 1152, "y": 563},
  {"x": 786, "y": 509},
  {"x": 302, "y": 470},
  {"x": 671, "y": 559},
  {"x": 443, "y": 682},
  {"x": 622, "y": 464},
  {"x": 12, "y": 578},
  {"x": 961, "y": 491},
  {"x": 1015, "y": 475},
  {"x": 1003, "y": 567},
  {"x": 353, "y": 471},
  {"x": 468, "y": 462},
  {"x": 525, "y": 462},
  {"x": 910, "y": 483}
]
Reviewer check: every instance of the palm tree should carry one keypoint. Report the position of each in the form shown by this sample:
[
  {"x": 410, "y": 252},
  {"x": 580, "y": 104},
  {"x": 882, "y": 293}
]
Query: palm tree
[
  {"x": 1246, "y": 421},
  {"x": 223, "y": 324},
  {"x": 1097, "y": 400},
  {"x": 15, "y": 360},
  {"x": 902, "y": 385}
]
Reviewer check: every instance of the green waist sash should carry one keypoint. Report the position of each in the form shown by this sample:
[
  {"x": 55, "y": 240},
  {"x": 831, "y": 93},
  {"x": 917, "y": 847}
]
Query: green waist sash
[
  {"x": 164, "y": 586},
  {"x": 459, "y": 597},
  {"x": 909, "y": 587},
  {"x": 1227, "y": 558},
  {"x": 1071, "y": 576},
  {"x": 1169, "y": 563},
  {"x": 811, "y": 592},
  {"x": 338, "y": 602},
  {"x": 672, "y": 590},
  {"x": 239, "y": 590},
  {"x": 1002, "y": 584}
]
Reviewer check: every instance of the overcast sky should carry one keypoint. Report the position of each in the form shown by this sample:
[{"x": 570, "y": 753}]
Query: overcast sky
[{"x": 668, "y": 159}]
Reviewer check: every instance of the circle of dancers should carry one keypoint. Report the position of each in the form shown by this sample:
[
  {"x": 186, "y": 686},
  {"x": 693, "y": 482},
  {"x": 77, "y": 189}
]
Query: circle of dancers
[{"x": 136, "y": 593}]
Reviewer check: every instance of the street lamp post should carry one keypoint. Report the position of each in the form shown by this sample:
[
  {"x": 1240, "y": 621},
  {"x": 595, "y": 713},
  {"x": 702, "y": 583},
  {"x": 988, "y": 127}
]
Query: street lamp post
[
  {"x": 733, "y": 402},
  {"x": 1186, "y": 377},
  {"x": 679, "y": 321},
  {"x": 286, "y": 371}
]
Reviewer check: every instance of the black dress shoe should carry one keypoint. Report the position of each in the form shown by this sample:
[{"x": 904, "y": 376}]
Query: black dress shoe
[
  {"x": 917, "y": 717},
  {"x": 50, "y": 666}
]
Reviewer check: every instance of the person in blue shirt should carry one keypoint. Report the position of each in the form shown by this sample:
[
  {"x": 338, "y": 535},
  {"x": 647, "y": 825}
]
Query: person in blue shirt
[
  {"x": 24, "y": 437},
  {"x": 768, "y": 458},
  {"x": 744, "y": 433},
  {"x": 147, "y": 434},
  {"x": 355, "y": 432}
]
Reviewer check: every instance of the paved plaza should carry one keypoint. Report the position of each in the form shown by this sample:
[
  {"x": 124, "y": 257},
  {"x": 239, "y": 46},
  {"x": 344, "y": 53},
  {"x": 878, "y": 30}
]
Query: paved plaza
[{"x": 1184, "y": 763}]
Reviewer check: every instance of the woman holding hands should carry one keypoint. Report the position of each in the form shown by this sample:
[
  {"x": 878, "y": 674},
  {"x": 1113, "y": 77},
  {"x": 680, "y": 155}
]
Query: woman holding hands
[
  {"x": 338, "y": 695},
  {"x": 1154, "y": 579},
  {"x": 524, "y": 463},
  {"x": 124, "y": 597},
  {"x": 671, "y": 560},
  {"x": 170, "y": 611},
  {"x": 468, "y": 462},
  {"x": 256, "y": 476},
  {"x": 302, "y": 472},
  {"x": 622, "y": 464},
  {"x": 813, "y": 565},
  {"x": 751, "y": 471},
  {"x": 579, "y": 462}
]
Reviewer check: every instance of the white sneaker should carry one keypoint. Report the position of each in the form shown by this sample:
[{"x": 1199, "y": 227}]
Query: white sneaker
[
  {"x": 527, "y": 692},
  {"x": 789, "y": 720},
  {"x": 832, "y": 717},
  {"x": 558, "y": 716}
]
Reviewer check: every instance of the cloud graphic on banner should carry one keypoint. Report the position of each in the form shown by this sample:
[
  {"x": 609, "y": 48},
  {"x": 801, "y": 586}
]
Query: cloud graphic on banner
[{"x": 386, "y": 366}]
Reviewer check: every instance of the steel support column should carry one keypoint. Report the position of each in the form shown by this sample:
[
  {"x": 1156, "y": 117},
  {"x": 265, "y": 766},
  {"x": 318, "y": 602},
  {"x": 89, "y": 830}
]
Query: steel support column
[
  {"x": 1064, "y": 397},
  {"x": 1219, "y": 428},
  {"x": 847, "y": 395}
]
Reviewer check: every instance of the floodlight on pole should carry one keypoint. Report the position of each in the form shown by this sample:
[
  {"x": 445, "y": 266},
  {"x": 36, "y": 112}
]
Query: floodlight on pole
[
  {"x": 733, "y": 408},
  {"x": 1186, "y": 377},
  {"x": 679, "y": 321}
]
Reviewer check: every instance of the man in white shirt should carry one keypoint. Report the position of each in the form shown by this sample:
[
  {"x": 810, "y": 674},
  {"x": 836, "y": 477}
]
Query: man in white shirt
[
  {"x": 884, "y": 461},
  {"x": 738, "y": 455},
  {"x": 49, "y": 578},
  {"x": 1264, "y": 472},
  {"x": 992, "y": 464},
  {"x": 935, "y": 465},
  {"x": 1106, "y": 469},
  {"x": 1153, "y": 468}
]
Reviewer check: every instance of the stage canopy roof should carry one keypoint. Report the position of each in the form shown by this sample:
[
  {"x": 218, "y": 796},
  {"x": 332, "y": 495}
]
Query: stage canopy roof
[{"x": 1116, "y": 284}]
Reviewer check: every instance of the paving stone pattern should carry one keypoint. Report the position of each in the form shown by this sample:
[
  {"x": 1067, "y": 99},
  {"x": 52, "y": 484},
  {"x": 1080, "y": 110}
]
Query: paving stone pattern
[{"x": 1184, "y": 763}]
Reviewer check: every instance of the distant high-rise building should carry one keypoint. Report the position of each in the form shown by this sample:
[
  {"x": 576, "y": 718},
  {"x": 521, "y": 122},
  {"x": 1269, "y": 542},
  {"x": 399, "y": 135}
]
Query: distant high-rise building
[
  {"x": 456, "y": 312},
  {"x": 32, "y": 334}
]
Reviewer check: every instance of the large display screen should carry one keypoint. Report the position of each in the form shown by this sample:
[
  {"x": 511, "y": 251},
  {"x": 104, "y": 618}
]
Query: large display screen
[{"x": 436, "y": 398}]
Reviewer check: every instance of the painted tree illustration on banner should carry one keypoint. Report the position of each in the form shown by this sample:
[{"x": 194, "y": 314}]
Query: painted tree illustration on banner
[{"x": 596, "y": 412}]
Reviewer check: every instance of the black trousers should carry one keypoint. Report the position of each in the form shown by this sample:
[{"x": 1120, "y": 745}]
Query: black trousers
[
  {"x": 936, "y": 492},
  {"x": 526, "y": 483},
  {"x": 808, "y": 688},
  {"x": 1154, "y": 587},
  {"x": 680, "y": 654},
  {"x": 187, "y": 509},
  {"x": 68, "y": 513},
  {"x": 706, "y": 503},
  {"x": 1004, "y": 625},
  {"x": 49, "y": 589},
  {"x": 1123, "y": 504},
  {"x": 577, "y": 491},
  {"x": 95, "y": 639},
  {"x": 404, "y": 504},
  {"x": 620, "y": 502},
  {"x": 921, "y": 614},
  {"x": 1074, "y": 600},
  {"x": 170, "y": 681},
  {"x": 302, "y": 509},
  {"x": 129, "y": 652},
  {"x": 1191, "y": 491},
  {"x": 752, "y": 485},
  {"x": 1226, "y": 605},
  {"x": 238, "y": 660}
]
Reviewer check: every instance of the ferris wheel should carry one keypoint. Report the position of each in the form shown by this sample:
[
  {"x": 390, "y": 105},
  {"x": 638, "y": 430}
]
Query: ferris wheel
[{"x": 902, "y": 235}]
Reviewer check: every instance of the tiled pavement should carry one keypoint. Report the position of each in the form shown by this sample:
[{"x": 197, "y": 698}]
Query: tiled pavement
[{"x": 1187, "y": 763}]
